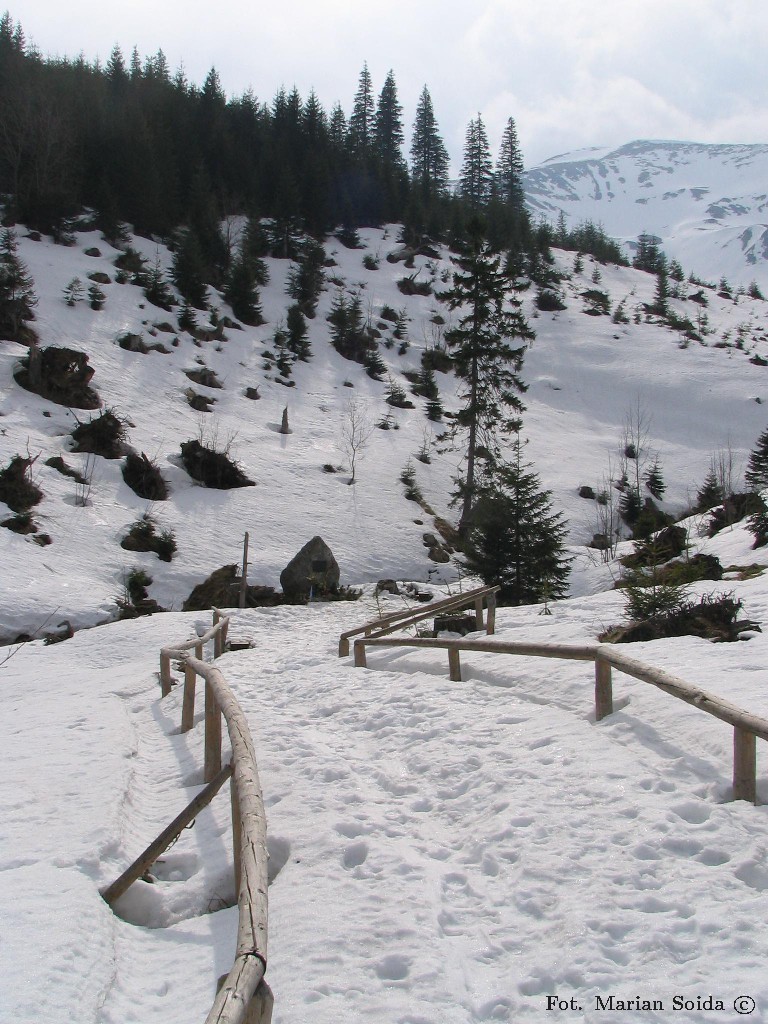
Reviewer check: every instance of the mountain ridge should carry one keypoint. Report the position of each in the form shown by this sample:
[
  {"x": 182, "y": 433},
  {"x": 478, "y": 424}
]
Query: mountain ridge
[{"x": 707, "y": 203}]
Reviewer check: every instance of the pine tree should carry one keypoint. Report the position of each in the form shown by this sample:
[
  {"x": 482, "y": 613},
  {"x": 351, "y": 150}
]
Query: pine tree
[
  {"x": 509, "y": 170},
  {"x": 476, "y": 176},
  {"x": 484, "y": 360},
  {"x": 654, "y": 481},
  {"x": 156, "y": 289},
  {"x": 96, "y": 297},
  {"x": 296, "y": 330},
  {"x": 307, "y": 277},
  {"x": 241, "y": 291},
  {"x": 17, "y": 296},
  {"x": 516, "y": 539},
  {"x": 711, "y": 492},
  {"x": 756, "y": 474},
  {"x": 429, "y": 157},
  {"x": 188, "y": 270},
  {"x": 360, "y": 135},
  {"x": 388, "y": 133}
]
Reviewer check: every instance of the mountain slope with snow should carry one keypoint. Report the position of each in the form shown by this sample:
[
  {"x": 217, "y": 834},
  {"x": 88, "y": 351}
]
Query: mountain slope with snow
[
  {"x": 584, "y": 374},
  {"x": 708, "y": 204}
]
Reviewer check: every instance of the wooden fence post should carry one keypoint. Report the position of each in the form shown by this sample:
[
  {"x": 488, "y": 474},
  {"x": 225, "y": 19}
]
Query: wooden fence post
[
  {"x": 479, "y": 613},
  {"x": 166, "y": 680},
  {"x": 212, "y": 734},
  {"x": 490, "y": 622},
  {"x": 224, "y": 631},
  {"x": 603, "y": 689},
  {"x": 454, "y": 664},
  {"x": 744, "y": 765},
  {"x": 244, "y": 579},
  {"x": 188, "y": 704},
  {"x": 360, "y": 661}
]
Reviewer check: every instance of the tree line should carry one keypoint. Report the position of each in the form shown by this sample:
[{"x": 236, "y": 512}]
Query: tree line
[{"x": 138, "y": 143}]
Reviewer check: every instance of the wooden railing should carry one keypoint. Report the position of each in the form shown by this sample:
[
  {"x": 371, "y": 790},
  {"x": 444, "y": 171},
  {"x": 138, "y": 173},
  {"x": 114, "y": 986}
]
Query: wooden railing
[
  {"x": 746, "y": 726},
  {"x": 243, "y": 995},
  {"x": 480, "y": 597}
]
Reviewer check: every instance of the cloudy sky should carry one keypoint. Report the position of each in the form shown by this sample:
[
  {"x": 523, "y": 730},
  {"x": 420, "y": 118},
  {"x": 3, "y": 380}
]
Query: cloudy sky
[{"x": 573, "y": 73}]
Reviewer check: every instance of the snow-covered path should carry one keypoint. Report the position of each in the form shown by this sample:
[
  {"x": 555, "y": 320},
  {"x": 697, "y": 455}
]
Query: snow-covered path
[{"x": 440, "y": 852}]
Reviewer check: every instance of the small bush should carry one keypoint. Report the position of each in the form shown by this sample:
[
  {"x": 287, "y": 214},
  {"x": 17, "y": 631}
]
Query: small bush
[
  {"x": 212, "y": 468},
  {"x": 548, "y": 301},
  {"x": 410, "y": 286},
  {"x": 103, "y": 435},
  {"x": 134, "y": 599},
  {"x": 713, "y": 617},
  {"x": 144, "y": 478},
  {"x": 16, "y": 487},
  {"x": 144, "y": 535},
  {"x": 205, "y": 377},
  {"x": 61, "y": 375}
]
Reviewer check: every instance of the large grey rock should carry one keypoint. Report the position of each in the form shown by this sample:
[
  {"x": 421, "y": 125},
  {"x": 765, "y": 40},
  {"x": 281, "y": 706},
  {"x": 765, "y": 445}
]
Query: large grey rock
[{"x": 313, "y": 569}]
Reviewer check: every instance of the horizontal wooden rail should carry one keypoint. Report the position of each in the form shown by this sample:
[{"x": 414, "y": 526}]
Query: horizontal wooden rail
[
  {"x": 747, "y": 727},
  {"x": 407, "y": 617}
]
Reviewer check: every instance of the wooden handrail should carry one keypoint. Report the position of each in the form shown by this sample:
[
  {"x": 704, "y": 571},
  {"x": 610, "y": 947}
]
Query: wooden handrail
[
  {"x": 243, "y": 996},
  {"x": 250, "y": 839},
  {"x": 746, "y": 726},
  {"x": 399, "y": 620}
]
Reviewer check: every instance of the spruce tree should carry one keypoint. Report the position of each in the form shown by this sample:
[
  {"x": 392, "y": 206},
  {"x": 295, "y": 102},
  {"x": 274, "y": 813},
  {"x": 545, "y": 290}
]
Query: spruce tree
[
  {"x": 711, "y": 492},
  {"x": 654, "y": 480},
  {"x": 509, "y": 171},
  {"x": 484, "y": 360},
  {"x": 188, "y": 270},
  {"x": 296, "y": 330},
  {"x": 429, "y": 157},
  {"x": 476, "y": 172},
  {"x": 756, "y": 475},
  {"x": 361, "y": 121},
  {"x": 17, "y": 296},
  {"x": 516, "y": 539},
  {"x": 241, "y": 291},
  {"x": 388, "y": 134}
]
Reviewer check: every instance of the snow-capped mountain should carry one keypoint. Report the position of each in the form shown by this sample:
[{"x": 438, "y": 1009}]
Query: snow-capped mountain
[{"x": 708, "y": 204}]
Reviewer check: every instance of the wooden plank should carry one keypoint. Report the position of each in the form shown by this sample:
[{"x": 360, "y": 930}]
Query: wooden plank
[
  {"x": 166, "y": 837},
  {"x": 744, "y": 765},
  {"x": 479, "y": 613},
  {"x": 244, "y": 577}
]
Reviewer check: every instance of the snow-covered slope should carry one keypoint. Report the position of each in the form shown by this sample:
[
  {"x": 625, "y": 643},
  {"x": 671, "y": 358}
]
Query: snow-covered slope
[
  {"x": 708, "y": 204},
  {"x": 440, "y": 852},
  {"x": 584, "y": 374}
]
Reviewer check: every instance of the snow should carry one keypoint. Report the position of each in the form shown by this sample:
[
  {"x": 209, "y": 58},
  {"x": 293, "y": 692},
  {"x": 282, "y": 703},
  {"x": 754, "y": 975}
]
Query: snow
[
  {"x": 439, "y": 851},
  {"x": 583, "y": 374}
]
